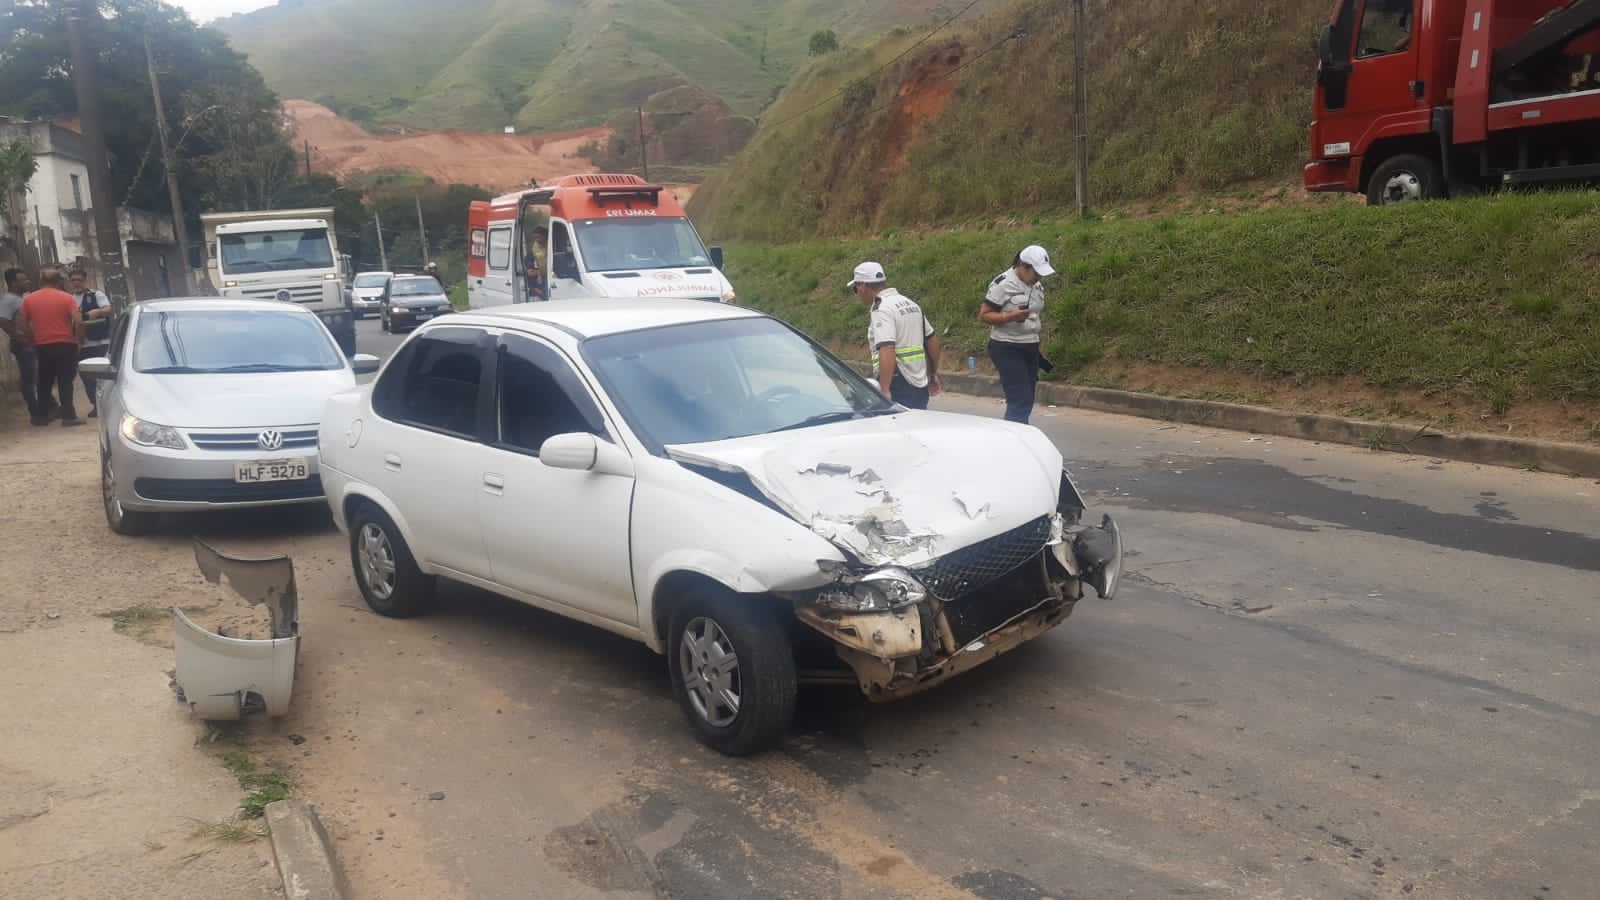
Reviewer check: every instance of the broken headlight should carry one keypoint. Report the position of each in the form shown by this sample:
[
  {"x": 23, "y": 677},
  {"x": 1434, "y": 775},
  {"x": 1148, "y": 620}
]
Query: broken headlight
[{"x": 880, "y": 591}]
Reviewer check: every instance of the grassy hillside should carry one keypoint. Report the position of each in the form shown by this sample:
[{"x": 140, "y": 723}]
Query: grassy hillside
[
  {"x": 975, "y": 123},
  {"x": 481, "y": 64},
  {"x": 1486, "y": 302}
]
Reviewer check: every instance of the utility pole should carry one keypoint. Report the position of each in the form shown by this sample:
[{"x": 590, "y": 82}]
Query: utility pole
[
  {"x": 1081, "y": 104},
  {"x": 383, "y": 254},
  {"x": 85, "y": 82},
  {"x": 644, "y": 153},
  {"x": 422, "y": 229},
  {"x": 180, "y": 228}
]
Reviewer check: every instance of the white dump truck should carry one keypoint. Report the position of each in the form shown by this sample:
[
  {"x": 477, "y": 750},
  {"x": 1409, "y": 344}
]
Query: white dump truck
[{"x": 281, "y": 254}]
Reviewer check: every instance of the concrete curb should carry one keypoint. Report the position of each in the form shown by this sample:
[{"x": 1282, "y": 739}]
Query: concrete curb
[
  {"x": 305, "y": 855},
  {"x": 1486, "y": 449}
]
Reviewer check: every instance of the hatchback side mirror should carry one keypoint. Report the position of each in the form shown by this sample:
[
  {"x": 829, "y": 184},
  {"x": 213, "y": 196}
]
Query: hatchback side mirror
[
  {"x": 362, "y": 363},
  {"x": 98, "y": 367}
]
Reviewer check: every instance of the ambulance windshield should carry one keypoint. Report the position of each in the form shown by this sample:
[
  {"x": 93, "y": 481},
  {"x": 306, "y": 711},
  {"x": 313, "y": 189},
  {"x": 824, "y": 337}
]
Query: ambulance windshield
[{"x": 617, "y": 245}]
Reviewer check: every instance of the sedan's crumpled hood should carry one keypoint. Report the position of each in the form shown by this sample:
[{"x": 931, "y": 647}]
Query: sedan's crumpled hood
[
  {"x": 242, "y": 400},
  {"x": 902, "y": 489}
]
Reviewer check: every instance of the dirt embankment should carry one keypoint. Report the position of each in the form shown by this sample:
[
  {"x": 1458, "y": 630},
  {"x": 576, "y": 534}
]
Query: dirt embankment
[{"x": 493, "y": 161}]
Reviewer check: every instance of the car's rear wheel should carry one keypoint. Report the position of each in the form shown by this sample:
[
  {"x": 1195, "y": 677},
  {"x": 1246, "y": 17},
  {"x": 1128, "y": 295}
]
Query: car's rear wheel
[
  {"x": 122, "y": 521},
  {"x": 733, "y": 672},
  {"x": 386, "y": 572}
]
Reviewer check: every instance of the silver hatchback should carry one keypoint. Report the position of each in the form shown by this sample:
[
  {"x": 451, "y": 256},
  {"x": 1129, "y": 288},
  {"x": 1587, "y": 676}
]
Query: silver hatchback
[{"x": 209, "y": 403}]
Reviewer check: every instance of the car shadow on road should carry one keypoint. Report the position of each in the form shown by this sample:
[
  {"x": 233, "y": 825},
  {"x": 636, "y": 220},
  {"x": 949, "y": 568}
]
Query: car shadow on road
[{"x": 307, "y": 520}]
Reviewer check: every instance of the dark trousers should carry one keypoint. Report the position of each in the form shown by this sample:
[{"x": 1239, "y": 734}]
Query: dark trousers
[
  {"x": 1018, "y": 365},
  {"x": 89, "y": 381},
  {"x": 28, "y": 366},
  {"x": 58, "y": 366},
  {"x": 906, "y": 394}
]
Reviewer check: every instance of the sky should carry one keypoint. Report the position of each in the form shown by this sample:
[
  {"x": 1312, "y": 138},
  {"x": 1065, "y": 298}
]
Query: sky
[{"x": 205, "y": 10}]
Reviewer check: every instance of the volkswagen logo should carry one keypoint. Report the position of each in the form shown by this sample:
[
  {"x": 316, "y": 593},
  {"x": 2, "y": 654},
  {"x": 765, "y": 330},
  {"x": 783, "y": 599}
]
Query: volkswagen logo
[
  {"x": 285, "y": 296},
  {"x": 270, "y": 440}
]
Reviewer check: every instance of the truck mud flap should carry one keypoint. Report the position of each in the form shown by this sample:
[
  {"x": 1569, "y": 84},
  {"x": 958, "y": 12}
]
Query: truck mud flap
[{"x": 222, "y": 678}]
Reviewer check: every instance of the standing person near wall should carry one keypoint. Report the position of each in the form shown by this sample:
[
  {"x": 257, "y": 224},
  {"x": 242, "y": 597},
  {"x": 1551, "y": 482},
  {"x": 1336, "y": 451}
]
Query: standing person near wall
[
  {"x": 17, "y": 284},
  {"x": 905, "y": 351},
  {"x": 1013, "y": 310},
  {"x": 95, "y": 308},
  {"x": 50, "y": 318}
]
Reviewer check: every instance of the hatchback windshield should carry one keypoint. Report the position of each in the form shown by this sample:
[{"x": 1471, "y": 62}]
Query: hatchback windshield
[
  {"x": 276, "y": 251},
  {"x": 232, "y": 340},
  {"x": 612, "y": 245},
  {"x": 414, "y": 287},
  {"x": 370, "y": 280},
  {"x": 709, "y": 381}
]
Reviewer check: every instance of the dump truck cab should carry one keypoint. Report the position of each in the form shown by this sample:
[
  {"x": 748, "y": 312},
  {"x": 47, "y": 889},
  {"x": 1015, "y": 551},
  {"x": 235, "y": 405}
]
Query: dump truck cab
[
  {"x": 603, "y": 236},
  {"x": 1417, "y": 99}
]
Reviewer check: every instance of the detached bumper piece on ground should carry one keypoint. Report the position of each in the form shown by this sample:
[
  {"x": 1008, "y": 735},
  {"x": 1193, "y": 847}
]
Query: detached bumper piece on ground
[{"x": 223, "y": 678}]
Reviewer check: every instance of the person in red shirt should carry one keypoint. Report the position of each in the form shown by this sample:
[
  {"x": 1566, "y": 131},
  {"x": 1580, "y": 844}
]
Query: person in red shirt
[{"x": 51, "y": 318}]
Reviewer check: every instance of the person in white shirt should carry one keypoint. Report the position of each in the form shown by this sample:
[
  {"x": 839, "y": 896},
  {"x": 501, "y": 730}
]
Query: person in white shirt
[
  {"x": 1013, "y": 310},
  {"x": 95, "y": 307},
  {"x": 905, "y": 351}
]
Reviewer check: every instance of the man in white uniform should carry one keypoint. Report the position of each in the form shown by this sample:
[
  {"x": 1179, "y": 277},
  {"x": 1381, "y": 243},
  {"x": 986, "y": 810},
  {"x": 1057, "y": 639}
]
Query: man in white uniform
[{"x": 905, "y": 351}]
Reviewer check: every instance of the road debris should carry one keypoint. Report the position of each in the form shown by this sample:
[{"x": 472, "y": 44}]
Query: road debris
[{"x": 250, "y": 668}]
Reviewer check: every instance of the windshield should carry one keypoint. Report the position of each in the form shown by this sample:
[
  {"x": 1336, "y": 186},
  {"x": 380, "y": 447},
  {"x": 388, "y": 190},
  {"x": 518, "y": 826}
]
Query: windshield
[
  {"x": 612, "y": 245},
  {"x": 370, "y": 280},
  {"x": 415, "y": 287},
  {"x": 275, "y": 251},
  {"x": 232, "y": 340},
  {"x": 709, "y": 381}
]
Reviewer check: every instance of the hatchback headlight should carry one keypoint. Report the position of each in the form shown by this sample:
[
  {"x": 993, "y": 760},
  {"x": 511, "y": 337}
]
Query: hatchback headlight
[
  {"x": 149, "y": 434},
  {"x": 880, "y": 591},
  {"x": 397, "y": 309}
]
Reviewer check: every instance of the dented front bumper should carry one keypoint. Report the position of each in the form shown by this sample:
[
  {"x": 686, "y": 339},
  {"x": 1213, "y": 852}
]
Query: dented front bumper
[
  {"x": 222, "y": 678},
  {"x": 898, "y": 652}
]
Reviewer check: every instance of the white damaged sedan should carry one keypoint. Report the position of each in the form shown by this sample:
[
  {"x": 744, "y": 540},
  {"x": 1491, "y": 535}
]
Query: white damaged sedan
[{"x": 712, "y": 483}]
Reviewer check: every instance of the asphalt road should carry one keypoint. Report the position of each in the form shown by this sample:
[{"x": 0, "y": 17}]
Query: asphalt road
[{"x": 1330, "y": 673}]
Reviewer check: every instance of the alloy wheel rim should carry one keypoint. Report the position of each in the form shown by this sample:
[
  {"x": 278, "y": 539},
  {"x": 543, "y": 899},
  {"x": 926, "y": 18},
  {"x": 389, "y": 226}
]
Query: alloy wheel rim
[
  {"x": 377, "y": 561},
  {"x": 709, "y": 667},
  {"x": 108, "y": 490}
]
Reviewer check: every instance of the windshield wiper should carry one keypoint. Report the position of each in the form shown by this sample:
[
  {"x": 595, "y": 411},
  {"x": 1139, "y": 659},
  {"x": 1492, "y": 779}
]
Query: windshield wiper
[
  {"x": 263, "y": 367},
  {"x": 827, "y": 418}
]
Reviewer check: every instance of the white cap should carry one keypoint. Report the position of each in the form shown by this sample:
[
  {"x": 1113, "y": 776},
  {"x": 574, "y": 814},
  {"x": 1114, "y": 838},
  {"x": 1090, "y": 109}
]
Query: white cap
[
  {"x": 1036, "y": 257},
  {"x": 868, "y": 273}
]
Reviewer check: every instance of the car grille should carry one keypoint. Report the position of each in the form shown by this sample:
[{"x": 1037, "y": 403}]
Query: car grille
[
  {"x": 298, "y": 293},
  {"x": 1001, "y": 600},
  {"x": 293, "y": 439},
  {"x": 956, "y": 574},
  {"x": 219, "y": 490}
]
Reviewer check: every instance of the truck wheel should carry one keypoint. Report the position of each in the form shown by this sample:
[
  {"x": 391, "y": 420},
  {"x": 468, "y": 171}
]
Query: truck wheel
[
  {"x": 1405, "y": 178},
  {"x": 733, "y": 673},
  {"x": 386, "y": 571}
]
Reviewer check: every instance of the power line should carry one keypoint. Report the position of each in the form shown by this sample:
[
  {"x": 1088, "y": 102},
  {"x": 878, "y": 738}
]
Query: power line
[{"x": 899, "y": 56}]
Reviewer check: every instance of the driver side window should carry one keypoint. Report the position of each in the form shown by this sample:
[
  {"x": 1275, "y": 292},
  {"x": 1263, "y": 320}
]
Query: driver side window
[
  {"x": 541, "y": 396},
  {"x": 563, "y": 262},
  {"x": 1385, "y": 27}
]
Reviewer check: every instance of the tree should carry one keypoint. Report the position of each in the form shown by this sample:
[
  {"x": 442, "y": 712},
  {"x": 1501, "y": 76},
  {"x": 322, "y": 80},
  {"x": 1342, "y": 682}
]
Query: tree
[
  {"x": 824, "y": 42},
  {"x": 17, "y": 167}
]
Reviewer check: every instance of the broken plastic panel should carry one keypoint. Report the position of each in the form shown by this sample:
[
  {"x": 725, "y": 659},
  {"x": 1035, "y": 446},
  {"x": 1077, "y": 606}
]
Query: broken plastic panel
[{"x": 222, "y": 678}]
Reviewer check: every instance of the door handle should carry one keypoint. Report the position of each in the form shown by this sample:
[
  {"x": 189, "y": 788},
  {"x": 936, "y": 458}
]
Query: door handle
[
  {"x": 493, "y": 483},
  {"x": 391, "y": 461}
]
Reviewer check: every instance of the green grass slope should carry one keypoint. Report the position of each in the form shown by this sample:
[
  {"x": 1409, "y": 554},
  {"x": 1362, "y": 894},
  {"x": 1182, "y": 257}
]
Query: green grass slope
[
  {"x": 481, "y": 64},
  {"x": 1182, "y": 97},
  {"x": 1487, "y": 301}
]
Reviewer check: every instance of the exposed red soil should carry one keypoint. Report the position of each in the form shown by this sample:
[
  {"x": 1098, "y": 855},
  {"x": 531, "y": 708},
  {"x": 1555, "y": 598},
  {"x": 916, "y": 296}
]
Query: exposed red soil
[
  {"x": 498, "y": 162},
  {"x": 923, "y": 95}
]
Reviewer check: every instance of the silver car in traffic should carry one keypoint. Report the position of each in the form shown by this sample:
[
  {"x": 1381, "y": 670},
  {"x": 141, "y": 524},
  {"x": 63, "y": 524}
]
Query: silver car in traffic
[{"x": 210, "y": 403}]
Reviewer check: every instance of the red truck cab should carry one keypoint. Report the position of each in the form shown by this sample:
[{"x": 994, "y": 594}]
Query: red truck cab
[{"x": 1417, "y": 99}]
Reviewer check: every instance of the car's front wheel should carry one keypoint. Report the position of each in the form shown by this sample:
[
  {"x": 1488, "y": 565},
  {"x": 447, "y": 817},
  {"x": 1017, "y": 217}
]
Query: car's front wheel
[
  {"x": 122, "y": 521},
  {"x": 733, "y": 672},
  {"x": 386, "y": 572}
]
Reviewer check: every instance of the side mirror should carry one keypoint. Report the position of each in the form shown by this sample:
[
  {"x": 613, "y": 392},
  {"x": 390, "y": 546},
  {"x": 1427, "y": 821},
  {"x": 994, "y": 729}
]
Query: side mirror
[
  {"x": 197, "y": 256},
  {"x": 98, "y": 367},
  {"x": 362, "y": 363},
  {"x": 580, "y": 452},
  {"x": 716, "y": 257}
]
